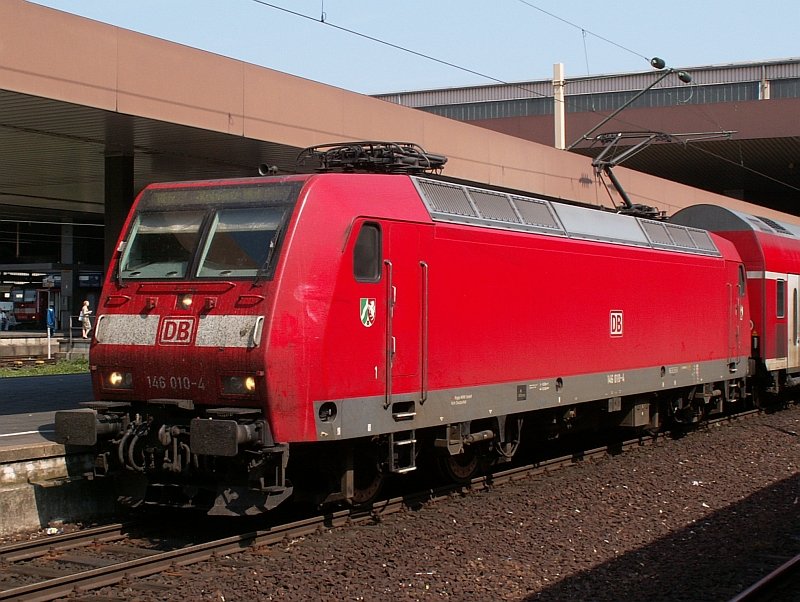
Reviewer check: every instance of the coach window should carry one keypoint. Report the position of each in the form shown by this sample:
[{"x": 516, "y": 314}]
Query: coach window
[
  {"x": 780, "y": 301},
  {"x": 367, "y": 254}
]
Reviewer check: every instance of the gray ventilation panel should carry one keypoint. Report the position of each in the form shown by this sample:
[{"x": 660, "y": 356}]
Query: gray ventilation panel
[{"x": 450, "y": 202}]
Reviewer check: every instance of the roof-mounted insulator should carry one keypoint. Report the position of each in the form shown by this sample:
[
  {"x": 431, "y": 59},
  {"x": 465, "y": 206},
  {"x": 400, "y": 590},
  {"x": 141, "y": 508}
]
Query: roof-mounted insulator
[{"x": 370, "y": 156}]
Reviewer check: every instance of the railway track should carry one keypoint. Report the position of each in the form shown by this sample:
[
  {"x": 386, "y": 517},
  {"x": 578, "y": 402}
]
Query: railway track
[
  {"x": 11, "y": 361},
  {"x": 66, "y": 564},
  {"x": 781, "y": 584},
  {"x": 94, "y": 558},
  {"x": 63, "y": 565}
]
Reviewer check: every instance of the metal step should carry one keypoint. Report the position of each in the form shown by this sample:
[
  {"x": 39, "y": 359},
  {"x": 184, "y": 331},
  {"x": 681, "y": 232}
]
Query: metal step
[{"x": 403, "y": 454}]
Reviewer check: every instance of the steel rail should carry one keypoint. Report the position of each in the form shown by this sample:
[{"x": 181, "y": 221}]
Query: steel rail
[
  {"x": 39, "y": 547},
  {"x": 764, "y": 587},
  {"x": 149, "y": 565}
]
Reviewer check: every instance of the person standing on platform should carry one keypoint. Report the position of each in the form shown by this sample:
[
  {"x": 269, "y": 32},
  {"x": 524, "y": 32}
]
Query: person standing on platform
[{"x": 86, "y": 323}]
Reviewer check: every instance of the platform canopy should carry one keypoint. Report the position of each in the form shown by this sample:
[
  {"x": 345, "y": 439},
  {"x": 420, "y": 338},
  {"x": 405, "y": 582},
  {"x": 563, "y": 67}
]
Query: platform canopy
[{"x": 75, "y": 94}]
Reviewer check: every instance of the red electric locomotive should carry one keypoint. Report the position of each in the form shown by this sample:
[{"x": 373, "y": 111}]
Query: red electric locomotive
[{"x": 307, "y": 335}]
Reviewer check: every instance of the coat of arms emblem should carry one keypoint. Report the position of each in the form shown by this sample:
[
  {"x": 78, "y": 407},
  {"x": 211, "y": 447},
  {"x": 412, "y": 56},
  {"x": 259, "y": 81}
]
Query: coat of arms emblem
[{"x": 367, "y": 311}]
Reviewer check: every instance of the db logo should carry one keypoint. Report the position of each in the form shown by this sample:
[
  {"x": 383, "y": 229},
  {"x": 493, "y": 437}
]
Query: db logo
[
  {"x": 176, "y": 331},
  {"x": 615, "y": 322}
]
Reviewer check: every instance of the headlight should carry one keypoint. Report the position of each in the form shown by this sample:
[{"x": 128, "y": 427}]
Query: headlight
[
  {"x": 238, "y": 385},
  {"x": 119, "y": 380}
]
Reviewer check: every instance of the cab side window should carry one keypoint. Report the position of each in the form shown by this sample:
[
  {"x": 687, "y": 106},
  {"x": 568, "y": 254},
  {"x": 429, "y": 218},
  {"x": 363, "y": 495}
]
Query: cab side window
[{"x": 367, "y": 254}]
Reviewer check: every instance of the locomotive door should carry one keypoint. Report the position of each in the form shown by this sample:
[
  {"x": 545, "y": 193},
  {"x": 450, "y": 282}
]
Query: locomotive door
[
  {"x": 793, "y": 322},
  {"x": 404, "y": 277},
  {"x": 735, "y": 316}
]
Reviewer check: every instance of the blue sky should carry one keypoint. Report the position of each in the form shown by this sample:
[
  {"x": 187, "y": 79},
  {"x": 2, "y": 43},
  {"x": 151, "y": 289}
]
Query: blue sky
[{"x": 507, "y": 40}]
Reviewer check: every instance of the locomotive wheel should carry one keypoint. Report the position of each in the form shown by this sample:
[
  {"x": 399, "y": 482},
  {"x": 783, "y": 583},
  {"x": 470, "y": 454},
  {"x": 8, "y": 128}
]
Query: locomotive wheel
[
  {"x": 461, "y": 468},
  {"x": 368, "y": 477}
]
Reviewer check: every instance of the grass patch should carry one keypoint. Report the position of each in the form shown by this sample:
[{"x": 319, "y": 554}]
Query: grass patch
[{"x": 76, "y": 366}]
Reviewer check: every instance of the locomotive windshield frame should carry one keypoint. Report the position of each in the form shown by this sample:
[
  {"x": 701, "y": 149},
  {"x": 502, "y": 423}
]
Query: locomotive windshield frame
[{"x": 206, "y": 232}]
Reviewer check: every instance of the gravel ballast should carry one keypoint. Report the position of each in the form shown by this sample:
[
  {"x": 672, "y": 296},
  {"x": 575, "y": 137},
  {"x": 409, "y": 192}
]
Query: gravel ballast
[{"x": 699, "y": 518}]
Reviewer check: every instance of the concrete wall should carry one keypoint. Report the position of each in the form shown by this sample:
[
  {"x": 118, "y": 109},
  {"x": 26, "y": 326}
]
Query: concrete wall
[{"x": 40, "y": 485}]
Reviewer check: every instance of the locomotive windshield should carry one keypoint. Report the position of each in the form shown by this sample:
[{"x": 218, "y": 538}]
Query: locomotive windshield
[
  {"x": 240, "y": 241},
  {"x": 161, "y": 244},
  {"x": 207, "y": 232}
]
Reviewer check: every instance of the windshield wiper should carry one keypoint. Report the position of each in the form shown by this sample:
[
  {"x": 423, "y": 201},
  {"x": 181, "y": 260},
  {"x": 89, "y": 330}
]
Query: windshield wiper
[
  {"x": 118, "y": 264},
  {"x": 273, "y": 244}
]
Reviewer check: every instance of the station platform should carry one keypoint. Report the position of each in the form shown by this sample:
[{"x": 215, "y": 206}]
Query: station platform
[
  {"x": 25, "y": 343},
  {"x": 40, "y": 482}
]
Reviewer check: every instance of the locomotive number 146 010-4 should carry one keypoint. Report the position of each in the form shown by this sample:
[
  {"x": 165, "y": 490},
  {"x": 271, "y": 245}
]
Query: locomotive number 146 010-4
[{"x": 176, "y": 383}]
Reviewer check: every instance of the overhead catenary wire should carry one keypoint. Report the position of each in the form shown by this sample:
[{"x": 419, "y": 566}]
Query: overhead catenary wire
[
  {"x": 386, "y": 43},
  {"x": 740, "y": 164},
  {"x": 323, "y": 21},
  {"x": 52, "y": 223},
  {"x": 585, "y": 50},
  {"x": 422, "y": 55},
  {"x": 9, "y": 236},
  {"x": 583, "y": 30},
  {"x": 6, "y": 235}
]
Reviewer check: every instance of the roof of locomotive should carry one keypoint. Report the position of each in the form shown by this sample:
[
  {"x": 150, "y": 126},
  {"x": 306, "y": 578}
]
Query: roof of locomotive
[{"x": 475, "y": 205}]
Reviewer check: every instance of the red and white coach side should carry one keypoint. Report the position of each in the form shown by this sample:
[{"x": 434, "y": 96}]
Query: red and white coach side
[{"x": 771, "y": 253}]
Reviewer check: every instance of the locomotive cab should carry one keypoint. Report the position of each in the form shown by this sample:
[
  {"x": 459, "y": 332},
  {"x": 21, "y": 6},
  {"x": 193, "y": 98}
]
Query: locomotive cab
[{"x": 178, "y": 361}]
